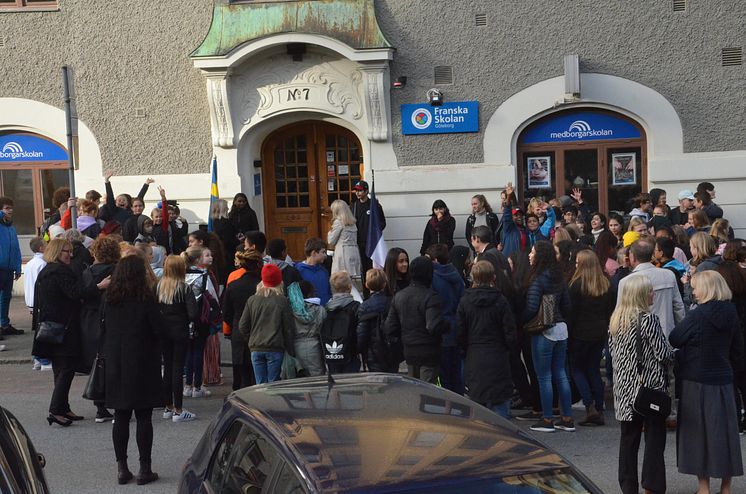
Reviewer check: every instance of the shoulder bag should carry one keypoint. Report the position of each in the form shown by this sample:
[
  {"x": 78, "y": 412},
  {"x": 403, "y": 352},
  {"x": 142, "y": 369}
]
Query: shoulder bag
[
  {"x": 652, "y": 403},
  {"x": 95, "y": 387},
  {"x": 48, "y": 332},
  {"x": 544, "y": 318}
]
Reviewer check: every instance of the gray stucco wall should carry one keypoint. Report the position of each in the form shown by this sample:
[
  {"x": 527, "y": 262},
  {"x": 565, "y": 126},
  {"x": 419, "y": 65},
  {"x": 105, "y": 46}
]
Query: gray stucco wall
[
  {"x": 131, "y": 55},
  {"x": 677, "y": 54},
  {"x": 126, "y": 55}
]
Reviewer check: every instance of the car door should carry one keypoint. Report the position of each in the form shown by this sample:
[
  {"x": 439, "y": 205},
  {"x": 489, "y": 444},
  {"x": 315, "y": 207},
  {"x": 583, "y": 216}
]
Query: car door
[{"x": 245, "y": 462}]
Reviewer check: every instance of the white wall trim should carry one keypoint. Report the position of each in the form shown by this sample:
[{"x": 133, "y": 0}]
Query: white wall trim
[
  {"x": 247, "y": 50},
  {"x": 665, "y": 136}
]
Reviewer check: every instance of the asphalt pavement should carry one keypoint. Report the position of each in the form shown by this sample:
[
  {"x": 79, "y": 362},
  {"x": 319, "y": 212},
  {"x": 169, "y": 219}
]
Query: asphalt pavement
[{"x": 80, "y": 458}]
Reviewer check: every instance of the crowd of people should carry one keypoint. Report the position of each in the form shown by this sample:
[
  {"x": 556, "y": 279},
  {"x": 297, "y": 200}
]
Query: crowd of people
[{"x": 519, "y": 319}]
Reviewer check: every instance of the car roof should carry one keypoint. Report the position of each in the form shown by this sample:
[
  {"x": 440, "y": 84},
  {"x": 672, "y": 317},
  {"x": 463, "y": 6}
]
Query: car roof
[{"x": 376, "y": 429}]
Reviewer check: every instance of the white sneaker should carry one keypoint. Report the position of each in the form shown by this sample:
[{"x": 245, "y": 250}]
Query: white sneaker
[
  {"x": 167, "y": 413},
  {"x": 200, "y": 392},
  {"x": 46, "y": 367},
  {"x": 2, "y": 348},
  {"x": 187, "y": 391},
  {"x": 37, "y": 364},
  {"x": 184, "y": 416}
]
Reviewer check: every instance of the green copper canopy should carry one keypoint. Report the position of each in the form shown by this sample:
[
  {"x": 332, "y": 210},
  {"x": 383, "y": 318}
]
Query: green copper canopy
[{"x": 352, "y": 22}]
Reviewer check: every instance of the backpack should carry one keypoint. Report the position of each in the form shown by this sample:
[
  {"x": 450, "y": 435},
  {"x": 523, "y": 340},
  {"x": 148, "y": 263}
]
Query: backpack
[
  {"x": 338, "y": 335},
  {"x": 209, "y": 315}
]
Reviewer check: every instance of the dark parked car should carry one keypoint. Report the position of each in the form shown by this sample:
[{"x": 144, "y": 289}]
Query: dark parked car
[
  {"x": 369, "y": 433},
  {"x": 20, "y": 464}
]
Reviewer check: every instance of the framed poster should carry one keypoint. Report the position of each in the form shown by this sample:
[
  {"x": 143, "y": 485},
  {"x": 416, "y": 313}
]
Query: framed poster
[
  {"x": 539, "y": 172},
  {"x": 624, "y": 169}
]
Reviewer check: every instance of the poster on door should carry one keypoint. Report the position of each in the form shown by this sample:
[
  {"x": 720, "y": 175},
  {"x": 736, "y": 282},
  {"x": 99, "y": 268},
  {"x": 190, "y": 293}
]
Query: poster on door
[
  {"x": 624, "y": 169},
  {"x": 539, "y": 172}
]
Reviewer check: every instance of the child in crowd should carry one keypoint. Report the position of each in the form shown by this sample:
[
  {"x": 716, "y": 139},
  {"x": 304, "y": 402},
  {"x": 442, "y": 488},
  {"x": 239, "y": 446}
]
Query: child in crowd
[
  {"x": 377, "y": 354},
  {"x": 30, "y": 273},
  {"x": 309, "y": 317},
  {"x": 339, "y": 332},
  {"x": 313, "y": 269}
]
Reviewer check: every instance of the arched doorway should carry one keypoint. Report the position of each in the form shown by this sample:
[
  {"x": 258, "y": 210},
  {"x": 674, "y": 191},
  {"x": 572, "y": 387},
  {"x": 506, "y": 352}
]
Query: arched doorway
[
  {"x": 600, "y": 152},
  {"x": 306, "y": 167}
]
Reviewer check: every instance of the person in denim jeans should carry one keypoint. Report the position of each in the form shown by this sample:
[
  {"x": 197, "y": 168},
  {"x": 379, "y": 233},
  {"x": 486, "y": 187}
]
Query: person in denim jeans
[
  {"x": 268, "y": 323},
  {"x": 549, "y": 349}
]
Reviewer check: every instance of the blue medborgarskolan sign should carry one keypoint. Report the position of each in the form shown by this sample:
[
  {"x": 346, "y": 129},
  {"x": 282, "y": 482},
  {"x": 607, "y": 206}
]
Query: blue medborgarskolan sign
[
  {"x": 449, "y": 118},
  {"x": 25, "y": 147},
  {"x": 580, "y": 126}
]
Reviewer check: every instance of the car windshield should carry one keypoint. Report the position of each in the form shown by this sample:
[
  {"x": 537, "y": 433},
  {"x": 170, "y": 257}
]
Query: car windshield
[{"x": 554, "y": 482}]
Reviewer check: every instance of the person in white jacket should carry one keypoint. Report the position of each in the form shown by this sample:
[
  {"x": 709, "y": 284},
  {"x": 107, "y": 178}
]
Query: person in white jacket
[{"x": 30, "y": 273}]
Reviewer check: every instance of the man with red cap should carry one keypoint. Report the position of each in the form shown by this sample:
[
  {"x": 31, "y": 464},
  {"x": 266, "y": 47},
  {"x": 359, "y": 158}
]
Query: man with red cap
[{"x": 361, "y": 211}]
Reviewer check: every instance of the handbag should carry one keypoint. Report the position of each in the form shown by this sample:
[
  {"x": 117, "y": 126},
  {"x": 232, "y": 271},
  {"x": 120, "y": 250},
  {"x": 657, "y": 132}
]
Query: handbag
[
  {"x": 544, "y": 318},
  {"x": 95, "y": 387},
  {"x": 652, "y": 403},
  {"x": 50, "y": 332}
]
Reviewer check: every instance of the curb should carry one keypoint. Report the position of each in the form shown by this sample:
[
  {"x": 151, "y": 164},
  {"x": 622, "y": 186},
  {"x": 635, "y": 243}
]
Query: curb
[{"x": 15, "y": 360}]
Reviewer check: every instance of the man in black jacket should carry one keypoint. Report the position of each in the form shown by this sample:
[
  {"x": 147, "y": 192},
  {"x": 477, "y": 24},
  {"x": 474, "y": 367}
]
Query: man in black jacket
[
  {"x": 361, "y": 211},
  {"x": 416, "y": 316}
]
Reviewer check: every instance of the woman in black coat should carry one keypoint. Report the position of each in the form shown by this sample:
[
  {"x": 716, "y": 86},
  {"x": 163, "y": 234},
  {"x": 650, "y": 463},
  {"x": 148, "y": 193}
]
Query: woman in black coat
[
  {"x": 57, "y": 298},
  {"x": 486, "y": 332},
  {"x": 224, "y": 228},
  {"x": 241, "y": 215},
  {"x": 133, "y": 361},
  {"x": 236, "y": 294},
  {"x": 106, "y": 254},
  {"x": 439, "y": 228}
]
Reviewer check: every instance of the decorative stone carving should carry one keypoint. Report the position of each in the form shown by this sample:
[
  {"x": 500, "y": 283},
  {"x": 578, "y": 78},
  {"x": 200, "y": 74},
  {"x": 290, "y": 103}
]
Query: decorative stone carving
[
  {"x": 376, "y": 85},
  {"x": 276, "y": 85},
  {"x": 220, "y": 114}
]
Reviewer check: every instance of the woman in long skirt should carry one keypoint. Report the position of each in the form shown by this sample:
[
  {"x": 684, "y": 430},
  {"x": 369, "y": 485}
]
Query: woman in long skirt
[{"x": 708, "y": 339}]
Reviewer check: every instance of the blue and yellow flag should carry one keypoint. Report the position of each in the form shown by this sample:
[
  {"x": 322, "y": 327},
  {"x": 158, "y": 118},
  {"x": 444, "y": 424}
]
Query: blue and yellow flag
[{"x": 213, "y": 191}]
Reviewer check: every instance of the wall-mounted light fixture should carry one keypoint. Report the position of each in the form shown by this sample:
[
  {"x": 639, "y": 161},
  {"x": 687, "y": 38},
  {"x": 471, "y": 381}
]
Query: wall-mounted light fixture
[{"x": 435, "y": 97}]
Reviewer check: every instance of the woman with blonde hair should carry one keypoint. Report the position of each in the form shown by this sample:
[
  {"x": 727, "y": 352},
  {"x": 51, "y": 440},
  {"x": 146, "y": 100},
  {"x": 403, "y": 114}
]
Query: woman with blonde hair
[
  {"x": 224, "y": 228},
  {"x": 268, "y": 324},
  {"x": 709, "y": 339},
  {"x": 591, "y": 304},
  {"x": 637, "y": 224},
  {"x": 632, "y": 319},
  {"x": 178, "y": 311},
  {"x": 343, "y": 237},
  {"x": 57, "y": 300},
  {"x": 704, "y": 252},
  {"x": 720, "y": 230}
]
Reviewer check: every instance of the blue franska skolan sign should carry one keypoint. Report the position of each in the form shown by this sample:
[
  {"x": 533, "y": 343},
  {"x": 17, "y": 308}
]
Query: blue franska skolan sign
[
  {"x": 580, "y": 126},
  {"x": 449, "y": 118},
  {"x": 15, "y": 148}
]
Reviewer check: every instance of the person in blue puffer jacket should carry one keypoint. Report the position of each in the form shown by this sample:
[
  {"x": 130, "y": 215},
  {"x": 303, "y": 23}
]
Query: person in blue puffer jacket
[{"x": 10, "y": 264}]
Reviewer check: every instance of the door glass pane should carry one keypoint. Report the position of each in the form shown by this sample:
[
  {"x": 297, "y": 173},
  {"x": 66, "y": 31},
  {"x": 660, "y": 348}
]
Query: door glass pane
[
  {"x": 624, "y": 177},
  {"x": 291, "y": 172},
  {"x": 51, "y": 180},
  {"x": 18, "y": 185},
  {"x": 581, "y": 171},
  {"x": 538, "y": 176}
]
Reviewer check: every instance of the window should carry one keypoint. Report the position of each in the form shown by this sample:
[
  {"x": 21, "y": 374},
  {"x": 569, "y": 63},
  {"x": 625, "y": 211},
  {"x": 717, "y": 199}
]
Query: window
[
  {"x": 29, "y": 4},
  {"x": 32, "y": 167},
  {"x": 244, "y": 462}
]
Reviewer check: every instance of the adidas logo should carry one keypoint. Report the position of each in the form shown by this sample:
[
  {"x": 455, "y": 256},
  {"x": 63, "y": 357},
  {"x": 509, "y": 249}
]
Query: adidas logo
[{"x": 334, "y": 351}]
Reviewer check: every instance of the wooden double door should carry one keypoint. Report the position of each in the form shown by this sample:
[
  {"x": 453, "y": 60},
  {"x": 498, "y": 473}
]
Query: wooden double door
[{"x": 305, "y": 167}]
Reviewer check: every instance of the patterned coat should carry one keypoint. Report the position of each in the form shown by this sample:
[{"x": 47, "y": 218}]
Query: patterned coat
[{"x": 657, "y": 355}]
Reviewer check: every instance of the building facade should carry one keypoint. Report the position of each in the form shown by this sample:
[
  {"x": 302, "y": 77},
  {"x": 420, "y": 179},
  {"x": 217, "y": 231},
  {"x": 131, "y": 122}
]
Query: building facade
[{"x": 299, "y": 99}]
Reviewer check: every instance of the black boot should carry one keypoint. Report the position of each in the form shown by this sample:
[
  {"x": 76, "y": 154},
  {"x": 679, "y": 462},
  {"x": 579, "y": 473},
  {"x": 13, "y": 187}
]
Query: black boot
[
  {"x": 124, "y": 475},
  {"x": 146, "y": 475}
]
